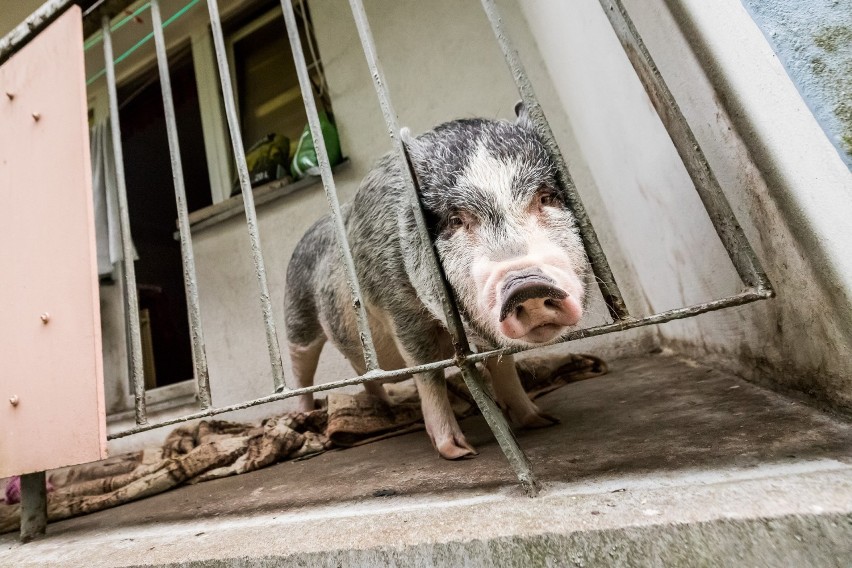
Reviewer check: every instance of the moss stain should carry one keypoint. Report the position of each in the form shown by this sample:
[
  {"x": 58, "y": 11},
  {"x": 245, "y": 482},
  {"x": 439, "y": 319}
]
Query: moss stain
[
  {"x": 832, "y": 38},
  {"x": 835, "y": 42}
]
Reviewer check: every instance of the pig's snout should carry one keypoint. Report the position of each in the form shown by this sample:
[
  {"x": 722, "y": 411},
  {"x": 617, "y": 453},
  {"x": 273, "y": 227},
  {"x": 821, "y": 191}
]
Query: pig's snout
[{"x": 534, "y": 308}]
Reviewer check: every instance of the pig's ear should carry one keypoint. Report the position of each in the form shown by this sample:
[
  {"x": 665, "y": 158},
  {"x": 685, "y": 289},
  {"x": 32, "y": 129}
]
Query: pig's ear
[
  {"x": 412, "y": 145},
  {"x": 523, "y": 115},
  {"x": 409, "y": 141}
]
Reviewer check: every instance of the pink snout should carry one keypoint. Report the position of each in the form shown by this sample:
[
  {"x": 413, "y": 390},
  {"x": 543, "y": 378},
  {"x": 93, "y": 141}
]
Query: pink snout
[{"x": 535, "y": 309}]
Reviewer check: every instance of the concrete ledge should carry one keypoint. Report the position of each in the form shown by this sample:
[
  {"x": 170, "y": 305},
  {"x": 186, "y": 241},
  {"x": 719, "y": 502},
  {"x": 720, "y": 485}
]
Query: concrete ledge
[{"x": 812, "y": 541}]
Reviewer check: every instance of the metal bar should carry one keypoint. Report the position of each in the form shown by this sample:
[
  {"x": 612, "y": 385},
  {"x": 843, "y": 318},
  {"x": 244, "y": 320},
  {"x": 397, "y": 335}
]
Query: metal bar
[
  {"x": 24, "y": 32},
  {"x": 730, "y": 232},
  {"x": 33, "y": 506},
  {"x": 472, "y": 377},
  {"x": 496, "y": 420},
  {"x": 248, "y": 196},
  {"x": 199, "y": 354},
  {"x": 434, "y": 366},
  {"x": 746, "y": 297},
  {"x": 454, "y": 323},
  {"x": 366, "y": 337},
  {"x": 492, "y": 414},
  {"x": 600, "y": 266},
  {"x": 131, "y": 302}
]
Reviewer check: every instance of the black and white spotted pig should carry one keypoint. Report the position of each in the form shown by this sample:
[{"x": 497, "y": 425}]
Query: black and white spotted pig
[{"x": 510, "y": 251}]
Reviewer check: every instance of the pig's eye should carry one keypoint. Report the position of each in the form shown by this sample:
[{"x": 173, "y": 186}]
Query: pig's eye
[
  {"x": 547, "y": 199},
  {"x": 459, "y": 220}
]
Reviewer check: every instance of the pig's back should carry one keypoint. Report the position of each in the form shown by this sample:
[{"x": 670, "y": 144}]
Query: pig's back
[{"x": 373, "y": 230}]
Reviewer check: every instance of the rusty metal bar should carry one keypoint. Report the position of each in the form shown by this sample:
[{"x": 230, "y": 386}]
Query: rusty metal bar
[
  {"x": 730, "y": 232},
  {"x": 199, "y": 354},
  {"x": 128, "y": 272},
  {"x": 248, "y": 196},
  {"x": 24, "y": 32},
  {"x": 600, "y": 265},
  {"x": 33, "y": 506},
  {"x": 503, "y": 433},
  {"x": 366, "y": 337},
  {"x": 471, "y": 375},
  {"x": 670, "y": 315}
]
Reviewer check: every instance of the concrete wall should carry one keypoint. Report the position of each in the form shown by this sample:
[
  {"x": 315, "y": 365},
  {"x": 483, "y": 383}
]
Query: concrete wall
[
  {"x": 813, "y": 40},
  {"x": 787, "y": 185}
]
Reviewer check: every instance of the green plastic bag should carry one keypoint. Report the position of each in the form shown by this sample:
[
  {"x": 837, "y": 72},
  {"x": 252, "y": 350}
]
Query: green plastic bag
[
  {"x": 268, "y": 159},
  {"x": 304, "y": 161}
]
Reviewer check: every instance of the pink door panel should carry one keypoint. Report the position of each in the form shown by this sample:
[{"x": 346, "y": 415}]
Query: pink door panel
[{"x": 51, "y": 383}]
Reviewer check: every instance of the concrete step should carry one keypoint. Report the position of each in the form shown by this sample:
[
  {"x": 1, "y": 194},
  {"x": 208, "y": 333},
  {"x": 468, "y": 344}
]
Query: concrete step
[{"x": 663, "y": 462}]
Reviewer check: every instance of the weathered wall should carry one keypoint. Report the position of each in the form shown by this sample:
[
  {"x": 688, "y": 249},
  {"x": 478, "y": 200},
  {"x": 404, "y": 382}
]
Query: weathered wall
[
  {"x": 785, "y": 182},
  {"x": 813, "y": 40}
]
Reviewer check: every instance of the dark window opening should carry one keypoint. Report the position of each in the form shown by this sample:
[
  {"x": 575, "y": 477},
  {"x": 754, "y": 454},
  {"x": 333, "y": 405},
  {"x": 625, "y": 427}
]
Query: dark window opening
[{"x": 151, "y": 201}]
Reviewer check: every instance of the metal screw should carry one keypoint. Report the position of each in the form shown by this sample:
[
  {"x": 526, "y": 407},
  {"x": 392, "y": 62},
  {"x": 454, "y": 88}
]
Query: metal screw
[
  {"x": 45, "y": 317},
  {"x": 13, "y": 400},
  {"x": 36, "y": 116}
]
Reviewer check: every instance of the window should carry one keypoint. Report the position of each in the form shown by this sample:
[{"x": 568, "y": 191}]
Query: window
[
  {"x": 267, "y": 92},
  {"x": 268, "y": 100},
  {"x": 152, "y": 210}
]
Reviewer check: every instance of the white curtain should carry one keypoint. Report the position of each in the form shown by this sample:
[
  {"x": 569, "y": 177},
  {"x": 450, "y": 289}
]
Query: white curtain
[{"x": 104, "y": 186}]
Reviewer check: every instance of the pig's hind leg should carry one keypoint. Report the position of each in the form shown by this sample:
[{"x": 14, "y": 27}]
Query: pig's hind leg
[
  {"x": 511, "y": 395},
  {"x": 305, "y": 337},
  {"x": 304, "y": 360},
  {"x": 341, "y": 324},
  {"x": 355, "y": 355}
]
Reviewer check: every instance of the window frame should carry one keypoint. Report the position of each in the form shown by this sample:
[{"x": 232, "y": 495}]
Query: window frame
[{"x": 220, "y": 163}]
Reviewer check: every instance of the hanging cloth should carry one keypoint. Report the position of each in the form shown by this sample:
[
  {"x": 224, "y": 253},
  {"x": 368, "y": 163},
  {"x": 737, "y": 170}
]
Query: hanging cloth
[{"x": 105, "y": 197}]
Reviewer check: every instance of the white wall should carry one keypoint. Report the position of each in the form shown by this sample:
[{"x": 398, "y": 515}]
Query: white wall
[{"x": 786, "y": 184}]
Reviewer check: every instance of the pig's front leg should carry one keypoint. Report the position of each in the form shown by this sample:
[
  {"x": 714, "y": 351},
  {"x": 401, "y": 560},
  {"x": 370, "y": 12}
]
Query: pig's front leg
[
  {"x": 510, "y": 393},
  {"x": 420, "y": 344},
  {"x": 441, "y": 423}
]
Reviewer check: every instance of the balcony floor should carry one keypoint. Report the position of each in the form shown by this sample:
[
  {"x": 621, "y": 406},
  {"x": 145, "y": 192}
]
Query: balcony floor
[{"x": 659, "y": 462}]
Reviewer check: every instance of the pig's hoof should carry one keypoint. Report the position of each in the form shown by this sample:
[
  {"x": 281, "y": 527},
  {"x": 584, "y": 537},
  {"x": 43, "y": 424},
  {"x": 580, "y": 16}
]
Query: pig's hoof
[
  {"x": 456, "y": 448},
  {"x": 538, "y": 419}
]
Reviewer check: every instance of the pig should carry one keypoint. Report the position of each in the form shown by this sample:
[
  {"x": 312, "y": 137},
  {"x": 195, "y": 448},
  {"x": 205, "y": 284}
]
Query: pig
[{"x": 510, "y": 251}]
